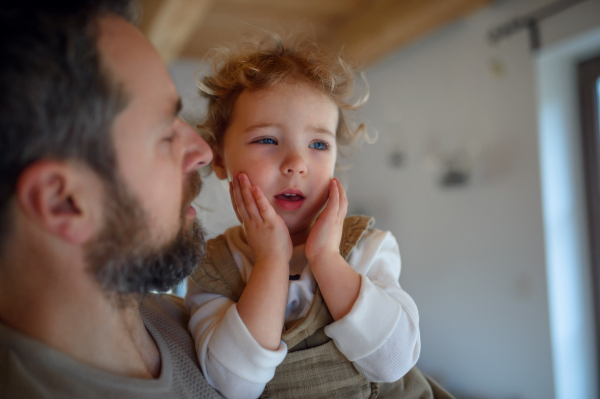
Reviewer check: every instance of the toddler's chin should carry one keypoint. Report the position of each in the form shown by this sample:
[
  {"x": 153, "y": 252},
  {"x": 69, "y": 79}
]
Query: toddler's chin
[{"x": 298, "y": 227}]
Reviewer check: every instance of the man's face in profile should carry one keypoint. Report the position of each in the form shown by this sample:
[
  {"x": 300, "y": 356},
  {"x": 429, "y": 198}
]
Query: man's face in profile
[{"x": 150, "y": 238}]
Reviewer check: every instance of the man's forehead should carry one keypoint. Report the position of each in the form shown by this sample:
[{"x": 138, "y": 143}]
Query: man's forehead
[
  {"x": 135, "y": 63},
  {"x": 116, "y": 36}
]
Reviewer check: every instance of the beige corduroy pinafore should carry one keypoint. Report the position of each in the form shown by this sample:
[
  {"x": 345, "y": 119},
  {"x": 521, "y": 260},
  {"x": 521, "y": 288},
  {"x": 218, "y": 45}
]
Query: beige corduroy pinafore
[{"x": 313, "y": 367}]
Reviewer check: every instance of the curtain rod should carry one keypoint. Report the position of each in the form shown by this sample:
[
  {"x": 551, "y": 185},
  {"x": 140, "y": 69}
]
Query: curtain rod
[{"x": 530, "y": 22}]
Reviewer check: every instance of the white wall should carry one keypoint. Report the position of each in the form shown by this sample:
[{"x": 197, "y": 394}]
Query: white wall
[{"x": 473, "y": 257}]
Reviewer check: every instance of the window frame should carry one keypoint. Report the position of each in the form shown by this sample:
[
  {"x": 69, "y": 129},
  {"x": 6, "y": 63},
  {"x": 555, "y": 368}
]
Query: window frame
[{"x": 588, "y": 73}]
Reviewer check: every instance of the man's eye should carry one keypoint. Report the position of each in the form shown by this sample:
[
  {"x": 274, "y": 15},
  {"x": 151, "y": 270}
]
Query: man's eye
[
  {"x": 170, "y": 137},
  {"x": 319, "y": 145},
  {"x": 266, "y": 141}
]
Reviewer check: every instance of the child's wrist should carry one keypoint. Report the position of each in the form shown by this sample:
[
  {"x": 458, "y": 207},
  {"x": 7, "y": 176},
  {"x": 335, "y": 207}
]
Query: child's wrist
[
  {"x": 272, "y": 260},
  {"x": 324, "y": 259}
]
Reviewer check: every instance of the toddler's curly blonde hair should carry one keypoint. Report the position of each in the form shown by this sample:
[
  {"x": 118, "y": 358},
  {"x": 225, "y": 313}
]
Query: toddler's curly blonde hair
[{"x": 267, "y": 64}]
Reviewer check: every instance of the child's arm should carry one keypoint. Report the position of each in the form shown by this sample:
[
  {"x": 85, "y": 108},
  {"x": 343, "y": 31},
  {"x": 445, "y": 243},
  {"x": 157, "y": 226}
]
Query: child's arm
[
  {"x": 339, "y": 283},
  {"x": 230, "y": 358},
  {"x": 380, "y": 334},
  {"x": 239, "y": 344},
  {"x": 376, "y": 323},
  {"x": 263, "y": 302}
]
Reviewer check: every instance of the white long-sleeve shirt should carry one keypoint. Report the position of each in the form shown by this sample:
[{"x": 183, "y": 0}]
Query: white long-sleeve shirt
[{"x": 380, "y": 334}]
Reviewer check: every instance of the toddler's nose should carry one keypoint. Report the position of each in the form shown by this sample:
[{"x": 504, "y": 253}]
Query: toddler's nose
[{"x": 294, "y": 163}]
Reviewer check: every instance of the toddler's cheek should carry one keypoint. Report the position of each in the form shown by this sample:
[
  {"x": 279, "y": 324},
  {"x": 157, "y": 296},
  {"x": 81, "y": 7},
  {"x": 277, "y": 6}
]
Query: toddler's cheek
[{"x": 324, "y": 194}]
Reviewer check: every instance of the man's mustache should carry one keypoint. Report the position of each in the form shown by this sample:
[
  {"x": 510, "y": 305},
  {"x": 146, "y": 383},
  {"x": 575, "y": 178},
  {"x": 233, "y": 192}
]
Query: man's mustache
[{"x": 192, "y": 189}]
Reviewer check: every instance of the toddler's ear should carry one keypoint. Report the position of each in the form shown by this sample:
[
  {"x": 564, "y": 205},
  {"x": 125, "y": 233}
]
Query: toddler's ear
[{"x": 218, "y": 166}]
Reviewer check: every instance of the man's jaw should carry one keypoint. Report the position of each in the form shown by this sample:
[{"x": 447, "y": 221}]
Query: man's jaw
[{"x": 124, "y": 259}]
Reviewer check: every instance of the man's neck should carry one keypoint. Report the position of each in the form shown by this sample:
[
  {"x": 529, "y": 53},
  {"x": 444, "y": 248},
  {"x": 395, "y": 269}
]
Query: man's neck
[{"x": 71, "y": 314}]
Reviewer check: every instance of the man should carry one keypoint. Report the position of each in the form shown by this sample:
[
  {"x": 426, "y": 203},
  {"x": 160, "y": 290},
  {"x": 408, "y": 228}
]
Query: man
[{"x": 97, "y": 174}]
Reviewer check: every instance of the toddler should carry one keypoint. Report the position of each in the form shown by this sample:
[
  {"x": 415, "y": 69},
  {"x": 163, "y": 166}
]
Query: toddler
[{"x": 299, "y": 301}]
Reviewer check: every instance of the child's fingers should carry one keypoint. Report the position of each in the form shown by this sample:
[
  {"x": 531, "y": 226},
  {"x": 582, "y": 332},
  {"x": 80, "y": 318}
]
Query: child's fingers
[
  {"x": 265, "y": 208},
  {"x": 235, "y": 208},
  {"x": 239, "y": 200},
  {"x": 249, "y": 202},
  {"x": 343, "y": 200},
  {"x": 334, "y": 197}
]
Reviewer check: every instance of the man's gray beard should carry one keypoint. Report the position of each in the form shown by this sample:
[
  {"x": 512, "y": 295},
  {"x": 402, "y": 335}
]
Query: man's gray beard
[{"x": 123, "y": 259}]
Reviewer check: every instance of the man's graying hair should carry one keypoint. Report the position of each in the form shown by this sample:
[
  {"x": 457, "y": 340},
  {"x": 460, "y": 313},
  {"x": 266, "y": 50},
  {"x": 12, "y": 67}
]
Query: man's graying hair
[{"x": 57, "y": 101}]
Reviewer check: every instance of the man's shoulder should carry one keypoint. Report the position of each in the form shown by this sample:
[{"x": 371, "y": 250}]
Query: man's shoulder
[
  {"x": 30, "y": 369},
  {"x": 167, "y": 321},
  {"x": 166, "y": 302},
  {"x": 166, "y": 307}
]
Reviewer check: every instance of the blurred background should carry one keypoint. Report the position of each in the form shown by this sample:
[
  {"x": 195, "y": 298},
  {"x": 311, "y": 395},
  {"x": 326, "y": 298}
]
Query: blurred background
[{"x": 479, "y": 168}]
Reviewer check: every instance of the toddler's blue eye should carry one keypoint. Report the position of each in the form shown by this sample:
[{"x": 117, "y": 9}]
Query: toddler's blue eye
[
  {"x": 319, "y": 145},
  {"x": 266, "y": 141}
]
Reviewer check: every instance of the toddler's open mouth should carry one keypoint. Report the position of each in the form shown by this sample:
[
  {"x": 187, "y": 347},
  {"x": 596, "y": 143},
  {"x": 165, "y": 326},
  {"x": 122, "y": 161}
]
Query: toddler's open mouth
[{"x": 290, "y": 199}]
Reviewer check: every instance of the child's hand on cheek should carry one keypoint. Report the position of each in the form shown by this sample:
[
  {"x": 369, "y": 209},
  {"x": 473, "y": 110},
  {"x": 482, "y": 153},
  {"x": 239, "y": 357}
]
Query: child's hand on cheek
[
  {"x": 324, "y": 238},
  {"x": 339, "y": 283},
  {"x": 262, "y": 304},
  {"x": 266, "y": 232}
]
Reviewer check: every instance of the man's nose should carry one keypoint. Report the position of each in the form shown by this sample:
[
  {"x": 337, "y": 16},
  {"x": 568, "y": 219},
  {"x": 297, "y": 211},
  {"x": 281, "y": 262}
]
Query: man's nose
[
  {"x": 197, "y": 152},
  {"x": 293, "y": 164}
]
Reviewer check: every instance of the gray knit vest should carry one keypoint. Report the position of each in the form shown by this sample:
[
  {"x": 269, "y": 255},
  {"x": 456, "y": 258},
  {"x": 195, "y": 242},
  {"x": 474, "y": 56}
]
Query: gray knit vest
[{"x": 313, "y": 367}]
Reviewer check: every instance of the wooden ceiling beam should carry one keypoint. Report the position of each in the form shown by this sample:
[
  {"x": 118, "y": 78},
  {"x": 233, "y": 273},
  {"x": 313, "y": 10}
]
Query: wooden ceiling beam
[
  {"x": 386, "y": 25},
  {"x": 332, "y": 8},
  {"x": 174, "y": 23}
]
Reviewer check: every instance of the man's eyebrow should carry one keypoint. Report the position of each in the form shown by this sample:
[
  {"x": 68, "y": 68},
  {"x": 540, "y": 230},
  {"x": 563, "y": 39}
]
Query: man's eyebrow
[
  {"x": 169, "y": 119},
  {"x": 178, "y": 107}
]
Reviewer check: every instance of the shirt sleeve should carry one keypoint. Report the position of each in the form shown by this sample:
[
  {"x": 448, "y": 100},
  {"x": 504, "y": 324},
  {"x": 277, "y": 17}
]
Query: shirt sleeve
[
  {"x": 230, "y": 358},
  {"x": 380, "y": 334}
]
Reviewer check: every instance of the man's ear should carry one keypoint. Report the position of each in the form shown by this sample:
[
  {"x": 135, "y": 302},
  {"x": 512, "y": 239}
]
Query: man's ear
[
  {"x": 52, "y": 194},
  {"x": 218, "y": 165}
]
